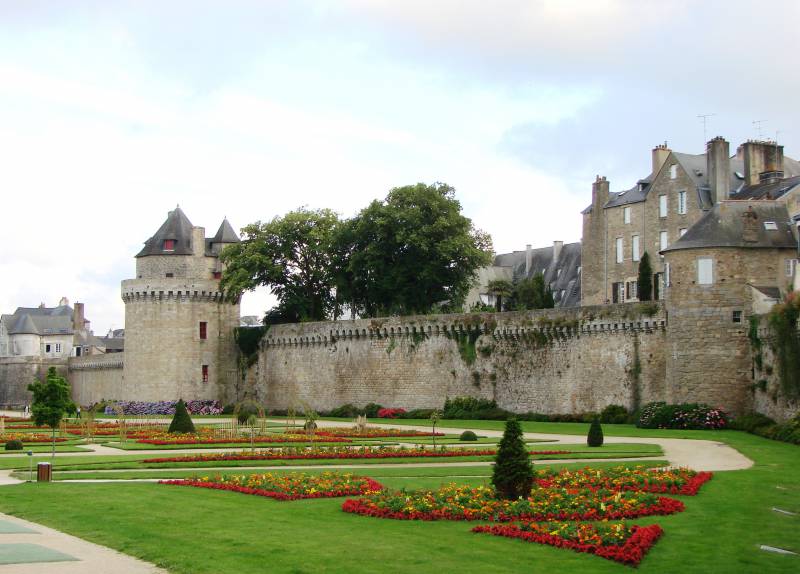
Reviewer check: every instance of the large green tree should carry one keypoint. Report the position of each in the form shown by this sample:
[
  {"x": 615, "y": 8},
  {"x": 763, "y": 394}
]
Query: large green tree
[
  {"x": 51, "y": 401},
  {"x": 410, "y": 253},
  {"x": 292, "y": 256},
  {"x": 533, "y": 293}
]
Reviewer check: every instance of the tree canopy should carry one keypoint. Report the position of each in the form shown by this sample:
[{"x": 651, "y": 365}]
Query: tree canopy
[
  {"x": 532, "y": 293},
  {"x": 51, "y": 401}
]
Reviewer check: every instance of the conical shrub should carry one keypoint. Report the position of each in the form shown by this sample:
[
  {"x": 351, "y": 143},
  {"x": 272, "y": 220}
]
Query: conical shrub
[
  {"x": 181, "y": 421},
  {"x": 595, "y": 436},
  {"x": 512, "y": 477}
]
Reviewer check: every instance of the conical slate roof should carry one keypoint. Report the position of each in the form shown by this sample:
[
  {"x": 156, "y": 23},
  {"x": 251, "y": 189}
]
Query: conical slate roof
[
  {"x": 226, "y": 233},
  {"x": 178, "y": 228},
  {"x": 24, "y": 325}
]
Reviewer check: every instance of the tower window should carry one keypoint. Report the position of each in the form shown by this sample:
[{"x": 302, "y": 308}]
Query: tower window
[
  {"x": 170, "y": 275},
  {"x": 203, "y": 330},
  {"x": 169, "y": 245},
  {"x": 682, "y": 202},
  {"x": 737, "y": 317},
  {"x": 216, "y": 274},
  {"x": 705, "y": 271},
  {"x": 205, "y": 373}
]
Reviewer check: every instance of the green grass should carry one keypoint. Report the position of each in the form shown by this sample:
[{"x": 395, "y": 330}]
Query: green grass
[
  {"x": 60, "y": 447},
  {"x": 132, "y": 445}
]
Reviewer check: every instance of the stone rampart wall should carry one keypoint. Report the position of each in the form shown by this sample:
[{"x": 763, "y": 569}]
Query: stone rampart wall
[
  {"x": 16, "y": 373},
  {"x": 553, "y": 361},
  {"x": 99, "y": 377},
  {"x": 768, "y": 396}
]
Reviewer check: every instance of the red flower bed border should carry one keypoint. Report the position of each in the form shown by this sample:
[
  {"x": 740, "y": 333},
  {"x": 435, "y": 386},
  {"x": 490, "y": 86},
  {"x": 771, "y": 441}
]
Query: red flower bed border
[
  {"x": 664, "y": 506},
  {"x": 371, "y": 485},
  {"x": 381, "y": 434},
  {"x": 339, "y": 455},
  {"x": 690, "y": 488},
  {"x": 162, "y": 442},
  {"x": 631, "y": 552}
]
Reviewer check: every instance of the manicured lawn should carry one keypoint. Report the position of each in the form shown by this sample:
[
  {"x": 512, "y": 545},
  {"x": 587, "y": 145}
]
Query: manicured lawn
[{"x": 133, "y": 445}]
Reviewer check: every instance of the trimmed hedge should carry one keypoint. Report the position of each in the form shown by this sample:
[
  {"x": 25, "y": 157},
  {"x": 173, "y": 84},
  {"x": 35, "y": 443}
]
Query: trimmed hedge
[
  {"x": 614, "y": 414},
  {"x": 764, "y": 426},
  {"x": 14, "y": 444},
  {"x": 468, "y": 435},
  {"x": 595, "y": 436},
  {"x": 181, "y": 421}
]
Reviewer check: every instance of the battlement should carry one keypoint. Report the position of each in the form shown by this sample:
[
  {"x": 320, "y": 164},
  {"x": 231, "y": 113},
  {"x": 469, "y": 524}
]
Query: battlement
[
  {"x": 553, "y": 323},
  {"x": 136, "y": 290},
  {"x": 92, "y": 362}
]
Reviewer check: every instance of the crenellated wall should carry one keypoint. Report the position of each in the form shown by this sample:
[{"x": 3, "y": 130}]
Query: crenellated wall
[
  {"x": 98, "y": 377},
  {"x": 16, "y": 373},
  {"x": 550, "y": 361}
]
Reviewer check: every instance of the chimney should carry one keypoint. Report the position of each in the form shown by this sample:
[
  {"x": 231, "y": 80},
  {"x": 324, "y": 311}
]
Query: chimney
[
  {"x": 660, "y": 154},
  {"x": 528, "y": 259},
  {"x": 599, "y": 192},
  {"x": 63, "y": 302},
  {"x": 557, "y": 245},
  {"x": 750, "y": 225},
  {"x": 198, "y": 241},
  {"x": 77, "y": 317},
  {"x": 763, "y": 162},
  {"x": 718, "y": 167}
]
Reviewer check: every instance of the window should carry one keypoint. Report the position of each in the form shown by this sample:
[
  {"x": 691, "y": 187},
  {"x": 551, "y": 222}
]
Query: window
[
  {"x": 705, "y": 268},
  {"x": 790, "y": 265},
  {"x": 682, "y": 202},
  {"x": 78, "y": 351},
  {"x": 663, "y": 240},
  {"x": 631, "y": 290},
  {"x": 170, "y": 275},
  {"x": 667, "y": 282},
  {"x": 620, "y": 254},
  {"x": 770, "y": 226},
  {"x": 203, "y": 330},
  {"x": 635, "y": 248},
  {"x": 169, "y": 245},
  {"x": 216, "y": 274},
  {"x": 618, "y": 292},
  {"x": 58, "y": 348},
  {"x": 47, "y": 348},
  {"x": 658, "y": 286},
  {"x": 205, "y": 373},
  {"x": 673, "y": 171},
  {"x": 681, "y": 232},
  {"x": 626, "y": 215},
  {"x": 737, "y": 317},
  {"x": 662, "y": 205}
]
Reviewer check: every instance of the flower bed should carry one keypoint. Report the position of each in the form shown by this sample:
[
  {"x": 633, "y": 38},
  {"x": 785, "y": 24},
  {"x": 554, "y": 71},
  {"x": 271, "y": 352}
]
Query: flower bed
[
  {"x": 683, "y": 416},
  {"x": 337, "y": 453},
  {"x": 390, "y": 413},
  {"x": 454, "y": 502},
  {"x": 164, "y": 407},
  {"x": 292, "y": 486},
  {"x": 207, "y": 437},
  {"x": 612, "y": 540},
  {"x": 374, "y": 432},
  {"x": 669, "y": 481},
  {"x": 28, "y": 437}
]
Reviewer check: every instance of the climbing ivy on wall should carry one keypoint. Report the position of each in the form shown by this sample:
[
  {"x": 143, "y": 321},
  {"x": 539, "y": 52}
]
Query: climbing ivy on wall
[
  {"x": 248, "y": 338},
  {"x": 783, "y": 324}
]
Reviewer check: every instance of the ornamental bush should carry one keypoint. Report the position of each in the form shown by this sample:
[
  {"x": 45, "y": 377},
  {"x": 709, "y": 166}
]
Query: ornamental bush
[
  {"x": 371, "y": 410},
  {"x": 14, "y": 444},
  {"x": 181, "y": 421},
  {"x": 468, "y": 435},
  {"x": 595, "y": 436},
  {"x": 391, "y": 413},
  {"x": 614, "y": 414},
  {"x": 512, "y": 476},
  {"x": 682, "y": 416}
]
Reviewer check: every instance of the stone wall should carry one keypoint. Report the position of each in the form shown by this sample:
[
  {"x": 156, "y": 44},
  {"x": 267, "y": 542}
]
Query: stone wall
[
  {"x": 768, "y": 396},
  {"x": 99, "y": 377},
  {"x": 16, "y": 373},
  {"x": 554, "y": 361}
]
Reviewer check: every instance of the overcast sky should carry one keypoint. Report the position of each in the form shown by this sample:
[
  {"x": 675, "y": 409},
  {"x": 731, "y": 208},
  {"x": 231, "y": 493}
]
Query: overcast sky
[{"x": 111, "y": 113}]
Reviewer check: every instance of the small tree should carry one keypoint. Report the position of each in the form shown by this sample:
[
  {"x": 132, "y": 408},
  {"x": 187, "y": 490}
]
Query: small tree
[
  {"x": 502, "y": 289},
  {"x": 512, "y": 477},
  {"x": 435, "y": 417},
  {"x": 595, "y": 436},
  {"x": 51, "y": 401},
  {"x": 645, "y": 279},
  {"x": 181, "y": 421},
  {"x": 247, "y": 413}
]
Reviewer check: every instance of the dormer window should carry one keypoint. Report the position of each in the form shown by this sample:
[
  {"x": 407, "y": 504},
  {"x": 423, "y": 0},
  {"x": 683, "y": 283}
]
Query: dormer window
[{"x": 169, "y": 245}]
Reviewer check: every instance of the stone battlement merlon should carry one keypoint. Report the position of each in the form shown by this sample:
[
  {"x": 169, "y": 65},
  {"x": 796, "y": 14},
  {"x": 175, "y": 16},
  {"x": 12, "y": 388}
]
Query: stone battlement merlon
[{"x": 108, "y": 361}]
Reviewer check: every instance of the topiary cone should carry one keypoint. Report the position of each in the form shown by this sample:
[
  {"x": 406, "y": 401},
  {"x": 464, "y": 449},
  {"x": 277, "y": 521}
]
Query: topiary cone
[
  {"x": 595, "y": 436},
  {"x": 512, "y": 477},
  {"x": 181, "y": 421}
]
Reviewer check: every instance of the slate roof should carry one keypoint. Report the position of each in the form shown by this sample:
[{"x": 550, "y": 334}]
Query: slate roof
[
  {"x": 772, "y": 190},
  {"x": 40, "y": 321},
  {"x": 724, "y": 226},
  {"x": 568, "y": 280},
  {"x": 112, "y": 344},
  {"x": 178, "y": 228},
  {"x": 772, "y": 292},
  {"x": 225, "y": 234}
]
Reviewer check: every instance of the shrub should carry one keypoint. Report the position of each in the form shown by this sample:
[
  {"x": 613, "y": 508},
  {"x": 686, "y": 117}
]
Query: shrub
[
  {"x": 465, "y": 407},
  {"x": 371, "y": 410},
  {"x": 512, "y": 476},
  {"x": 468, "y": 435},
  {"x": 245, "y": 410},
  {"x": 390, "y": 413},
  {"x": 181, "y": 421},
  {"x": 595, "y": 436},
  {"x": 682, "y": 416},
  {"x": 751, "y": 422},
  {"x": 418, "y": 414},
  {"x": 346, "y": 411},
  {"x": 228, "y": 409},
  {"x": 614, "y": 414},
  {"x": 14, "y": 444}
]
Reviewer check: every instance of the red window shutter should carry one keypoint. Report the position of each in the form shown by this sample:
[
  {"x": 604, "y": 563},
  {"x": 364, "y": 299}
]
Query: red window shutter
[
  {"x": 203, "y": 330},
  {"x": 205, "y": 373},
  {"x": 169, "y": 245}
]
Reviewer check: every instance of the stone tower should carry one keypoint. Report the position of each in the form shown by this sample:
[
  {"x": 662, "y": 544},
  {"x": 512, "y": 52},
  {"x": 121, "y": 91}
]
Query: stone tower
[{"x": 179, "y": 330}]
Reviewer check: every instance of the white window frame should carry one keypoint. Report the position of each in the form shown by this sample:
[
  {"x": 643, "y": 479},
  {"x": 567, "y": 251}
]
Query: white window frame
[
  {"x": 662, "y": 205},
  {"x": 682, "y": 231},
  {"x": 663, "y": 240},
  {"x": 789, "y": 266},
  {"x": 58, "y": 348},
  {"x": 635, "y": 247},
  {"x": 705, "y": 271},
  {"x": 666, "y": 275},
  {"x": 681, "y": 203},
  {"x": 620, "y": 249},
  {"x": 673, "y": 171},
  {"x": 626, "y": 215}
]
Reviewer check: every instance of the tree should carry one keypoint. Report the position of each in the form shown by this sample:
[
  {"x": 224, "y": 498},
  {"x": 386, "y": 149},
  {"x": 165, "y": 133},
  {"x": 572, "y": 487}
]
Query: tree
[
  {"x": 410, "y": 253},
  {"x": 51, "y": 401},
  {"x": 292, "y": 256},
  {"x": 645, "y": 280},
  {"x": 500, "y": 288},
  {"x": 512, "y": 477},
  {"x": 533, "y": 293},
  {"x": 181, "y": 420},
  {"x": 595, "y": 436}
]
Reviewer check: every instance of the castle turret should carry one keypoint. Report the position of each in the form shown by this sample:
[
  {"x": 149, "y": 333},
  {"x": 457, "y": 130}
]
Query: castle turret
[{"x": 179, "y": 329}]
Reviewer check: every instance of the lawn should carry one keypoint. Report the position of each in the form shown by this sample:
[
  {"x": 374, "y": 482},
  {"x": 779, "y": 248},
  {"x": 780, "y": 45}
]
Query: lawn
[{"x": 204, "y": 531}]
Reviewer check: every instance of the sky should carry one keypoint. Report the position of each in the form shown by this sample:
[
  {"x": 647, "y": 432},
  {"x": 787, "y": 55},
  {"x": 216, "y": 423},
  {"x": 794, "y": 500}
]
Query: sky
[{"x": 113, "y": 112}]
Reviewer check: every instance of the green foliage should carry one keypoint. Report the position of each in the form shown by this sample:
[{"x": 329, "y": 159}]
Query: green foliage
[
  {"x": 293, "y": 256},
  {"x": 532, "y": 293},
  {"x": 783, "y": 323},
  {"x": 247, "y": 410},
  {"x": 595, "y": 436},
  {"x": 614, "y": 414},
  {"x": 409, "y": 253},
  {"x": 512, "y": 476},
  {"x": 371, "y": 410},
  {"x": 755, "y": 342},
  {"x": 467, "y": 407},
  {"x": 681, "y": 416},
  {"x": 51, "y": 399},
  {"x": 181, "y": 420},
  {"x": 750, "y": 422},
  {"x": 14, "y": 444},
  {"x": 348, "y": 410},
  {"x": 466, "y": 345},
  {"x": 248, "y": 338},
  {"x": 468, "y": 435},
  {"x": 645, "y": 279},
  {"x": 501, "y": 289}
]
